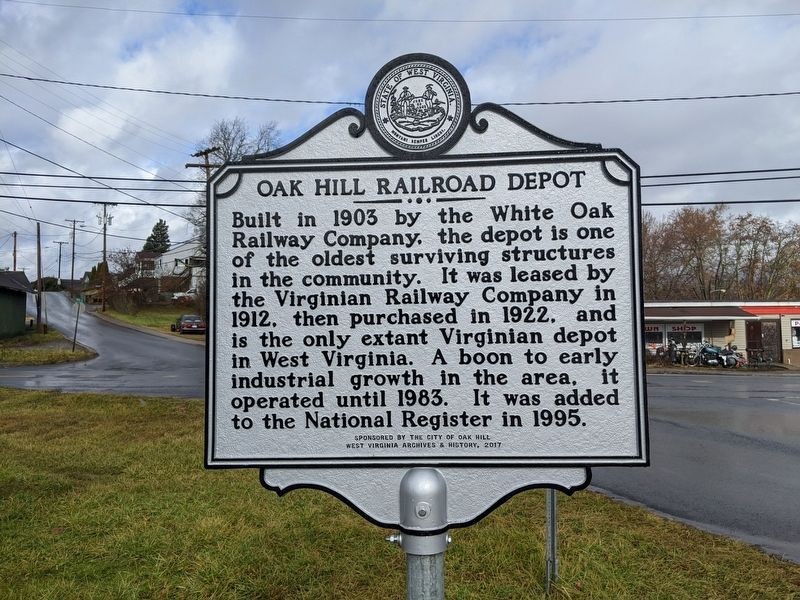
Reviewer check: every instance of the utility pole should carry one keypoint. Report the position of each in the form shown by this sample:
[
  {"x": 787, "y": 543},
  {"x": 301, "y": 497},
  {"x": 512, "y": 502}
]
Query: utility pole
[
  {"x": 72, "y": 272},
  {"x": 39, "y": 324},
  {"x": 206, "y": 164},
  {"x": 14, "y": 268},
  {"x": 105, "y": 221},
  {"x": 59, "y": 260}
]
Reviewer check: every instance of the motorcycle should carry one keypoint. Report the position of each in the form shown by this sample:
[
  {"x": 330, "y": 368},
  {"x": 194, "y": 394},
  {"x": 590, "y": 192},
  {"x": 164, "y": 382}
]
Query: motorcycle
[
  {"x": 708, "y": 355},
  {"x": 680, "y": 354},
  {"x": 732, "y": 358}
]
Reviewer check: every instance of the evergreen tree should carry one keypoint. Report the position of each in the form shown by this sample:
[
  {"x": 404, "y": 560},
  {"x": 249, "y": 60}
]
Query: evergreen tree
[{"x": 158, "y": 241}]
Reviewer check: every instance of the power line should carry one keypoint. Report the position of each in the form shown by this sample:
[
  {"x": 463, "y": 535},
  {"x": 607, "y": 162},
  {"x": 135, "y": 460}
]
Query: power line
[
  {"x": 708, "y": 173},
  {"x": 52, "y": 162},
  {"x": 776, "y": 201},
  {"x": 175, "y": 13},
  {"x": 13, "y": 164},
  {"x": 93, "y": 177},
  {"x": 166, "y": 135},
  {"x": 72, "y": 200},
  {"x": 84, "y": 124},
  {"x": 88, "y": 230},
  {"x": 115, "y": 121},
  {"x": 33, "y": 235},
  {"x": 8, "y": 212},
  {"x": 653, "y": 99},
  {"x": 77, "y": 137},
  {"x": 352, "y": 103},
  {"x": 148, "y": 180},
  {"x": 94, "y": 187},
  {"x": 176, "y": 93},
  {"x": 195, "y": 205},
  {"x": 720, "y": 181}
]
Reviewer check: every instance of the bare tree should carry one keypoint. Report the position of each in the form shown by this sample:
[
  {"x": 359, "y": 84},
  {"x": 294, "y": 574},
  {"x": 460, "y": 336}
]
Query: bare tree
[
  {"x": 126, "y": 290},
  {"x": 123, "y": 263},
  {"x": 705, "y": 254},
  {"x": 232, "y": 139},
  {"x": 704, "y": 244},
  {"x": 665, "y": 273},
  {"x": 766, "y": 254}
]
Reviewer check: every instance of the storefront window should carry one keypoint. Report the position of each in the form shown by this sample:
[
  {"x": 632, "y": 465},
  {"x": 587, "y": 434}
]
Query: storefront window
[
  {"x": 685, "y": 333},
  {"x": 653, "y": 337},
  {"x": 795, "y": 333}
]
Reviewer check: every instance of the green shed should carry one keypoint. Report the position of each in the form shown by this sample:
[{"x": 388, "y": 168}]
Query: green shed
[{"x": 14, "y": 288}]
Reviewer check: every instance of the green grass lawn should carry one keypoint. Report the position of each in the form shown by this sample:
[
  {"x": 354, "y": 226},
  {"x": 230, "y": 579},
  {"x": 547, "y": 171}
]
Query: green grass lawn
[
  {"x": 158, "y": 317},
  {"x": 33, "y": 348},
  {"x": 106, "y": 497}
]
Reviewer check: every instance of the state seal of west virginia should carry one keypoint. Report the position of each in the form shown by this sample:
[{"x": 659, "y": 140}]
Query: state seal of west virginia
[{"x": 417, "y": 105}]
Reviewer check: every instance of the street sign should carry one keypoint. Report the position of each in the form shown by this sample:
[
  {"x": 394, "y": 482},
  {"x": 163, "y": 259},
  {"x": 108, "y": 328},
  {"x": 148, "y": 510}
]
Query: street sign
[{"x": 425, "y": 284}]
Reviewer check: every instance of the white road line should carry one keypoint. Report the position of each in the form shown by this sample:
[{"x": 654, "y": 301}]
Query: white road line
[{"x": 782, "y": 400}]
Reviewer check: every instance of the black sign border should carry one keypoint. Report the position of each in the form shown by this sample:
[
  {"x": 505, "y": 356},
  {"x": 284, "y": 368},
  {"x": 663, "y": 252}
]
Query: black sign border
[
  {"x": 575, "y": 152},
  {"x": 569, "y": 491}
]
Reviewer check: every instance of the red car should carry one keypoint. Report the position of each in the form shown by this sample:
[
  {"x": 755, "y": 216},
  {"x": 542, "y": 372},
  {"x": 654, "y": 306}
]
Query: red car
[{"x": 189, "y": 324}]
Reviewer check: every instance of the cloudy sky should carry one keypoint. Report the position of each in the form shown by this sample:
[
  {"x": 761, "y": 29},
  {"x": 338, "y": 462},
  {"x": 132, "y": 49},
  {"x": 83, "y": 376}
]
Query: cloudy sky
[{"x": 509, "y": 51}]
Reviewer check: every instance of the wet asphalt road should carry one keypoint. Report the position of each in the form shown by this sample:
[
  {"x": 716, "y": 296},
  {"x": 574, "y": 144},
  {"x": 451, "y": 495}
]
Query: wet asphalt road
[
  {"x": 725, "y": 447},
  {"x": 129, "y": 361}
]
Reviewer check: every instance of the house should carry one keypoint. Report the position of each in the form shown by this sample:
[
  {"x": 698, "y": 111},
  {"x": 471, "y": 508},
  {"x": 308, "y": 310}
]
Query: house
[
  {"x": 765, "y": 330},
  {"x": 146, "y": 264},
  {"x": 181, "y": 268},
  {"x": 153, "y": 274},
  {"x": 14, "y": 289}
]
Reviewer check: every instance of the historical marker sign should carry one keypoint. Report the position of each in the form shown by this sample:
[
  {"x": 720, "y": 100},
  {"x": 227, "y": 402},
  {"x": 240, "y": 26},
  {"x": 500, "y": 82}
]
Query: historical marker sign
[{"x": 429, "y": 286}]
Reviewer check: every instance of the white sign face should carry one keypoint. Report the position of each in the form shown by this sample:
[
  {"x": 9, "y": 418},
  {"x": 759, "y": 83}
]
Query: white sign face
[{"x": 456, "y": 311}]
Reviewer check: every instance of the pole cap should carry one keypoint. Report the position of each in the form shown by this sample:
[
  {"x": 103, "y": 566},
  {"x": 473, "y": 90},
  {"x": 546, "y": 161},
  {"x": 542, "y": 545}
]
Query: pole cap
[{"x": 423, "y": 511}]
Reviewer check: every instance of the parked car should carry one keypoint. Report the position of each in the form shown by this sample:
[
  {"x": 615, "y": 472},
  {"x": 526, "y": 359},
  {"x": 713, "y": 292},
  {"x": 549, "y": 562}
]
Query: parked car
[
  {"x": 186, "y": 296},
  {"x": 188, "y": 324}
]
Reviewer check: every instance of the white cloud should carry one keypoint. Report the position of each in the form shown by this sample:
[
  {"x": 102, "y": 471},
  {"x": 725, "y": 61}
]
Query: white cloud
[{"x": 334, "y": 60}]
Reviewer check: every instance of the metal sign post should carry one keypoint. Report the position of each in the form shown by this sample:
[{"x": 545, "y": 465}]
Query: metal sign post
[
  {"x": 425, "y": 298},
  {"x": 77, "y": 314},
  {"x": 423, "y": 517},
  {"x": 551, "y": 543}
]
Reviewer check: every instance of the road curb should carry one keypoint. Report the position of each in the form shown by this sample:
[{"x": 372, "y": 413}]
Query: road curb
[{"x": 775, "y": 370}]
